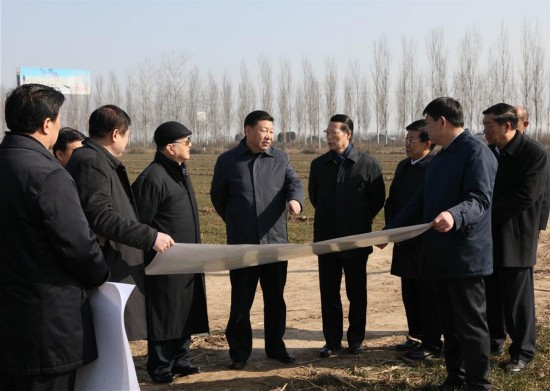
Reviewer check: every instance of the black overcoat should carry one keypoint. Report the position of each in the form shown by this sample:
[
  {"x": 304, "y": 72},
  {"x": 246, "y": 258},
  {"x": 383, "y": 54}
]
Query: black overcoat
[
  {"x": 108, "y": 202},
  {"x": 346, "y": 198},
  {"x": 176, "y": 304},
  {"x": 408, "y": 178},
  {"x": 518, "y": 194},
  {"x": 49, "y": 258}
]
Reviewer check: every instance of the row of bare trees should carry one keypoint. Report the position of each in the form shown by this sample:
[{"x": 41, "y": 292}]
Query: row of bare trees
[{"x": 382, "y": 97}]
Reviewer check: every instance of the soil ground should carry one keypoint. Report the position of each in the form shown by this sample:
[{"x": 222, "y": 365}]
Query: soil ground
[{"x": 386, "y": 326}]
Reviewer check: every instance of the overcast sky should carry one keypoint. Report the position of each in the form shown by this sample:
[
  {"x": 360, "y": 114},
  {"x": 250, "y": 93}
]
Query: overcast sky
[{"x": 102, "y": 35}]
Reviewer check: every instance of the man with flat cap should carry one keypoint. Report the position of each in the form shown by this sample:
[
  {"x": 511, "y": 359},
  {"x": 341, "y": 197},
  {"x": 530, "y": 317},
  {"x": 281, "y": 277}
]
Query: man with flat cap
[{"x": 176, "y": 304}]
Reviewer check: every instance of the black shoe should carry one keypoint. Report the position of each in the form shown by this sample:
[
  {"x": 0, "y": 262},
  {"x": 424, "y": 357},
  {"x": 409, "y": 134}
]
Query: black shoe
[
  {"x": 163, "y": 378},
  {"x": 421, "y": 353},
  {"x": 236, "y": 365},
  {"x": 186, "y": 371},
  {"x": 284, "y": 357},
  {"x": 515, "y": 366},
  {"x": 355, "y": 349},
  {"x": 327, "y": 351},
  {"x": 446, "y": 386},
  {"x": 497, "y": 349},
  {"x": 409, "y": 344}
]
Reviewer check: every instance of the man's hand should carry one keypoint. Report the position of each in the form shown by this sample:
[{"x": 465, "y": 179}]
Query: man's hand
[
  {"x": 443, "y": 222},
  {"x": 163, "y": 242},
  {"x": 294, "y": 207}
]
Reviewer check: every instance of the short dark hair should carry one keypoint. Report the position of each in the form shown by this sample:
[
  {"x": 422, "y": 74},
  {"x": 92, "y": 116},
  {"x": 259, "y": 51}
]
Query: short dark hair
[
  {"x": 106, "y": 119},
  {"x": 419, "y": 125},
  {"x": 67, "y": 135},
  {"x": 446, "y": 107},
  {"x": 253, "y": 118},
  {"x": 344, "y": 119},
  {"x": 503, "y": 113},
  {"x": 28, "y": 106}
]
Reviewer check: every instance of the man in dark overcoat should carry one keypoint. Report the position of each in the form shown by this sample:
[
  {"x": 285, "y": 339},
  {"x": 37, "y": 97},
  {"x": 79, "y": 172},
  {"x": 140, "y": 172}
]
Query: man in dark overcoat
[
  {"x": 252, "y": 187},
  {"x": 108, "y": 202},
  {"x": 458, "y": 252},
  {"x": 418, "y": 292},
  {"x": 176, "y": 304},
  {"x": 49, "y": 256},
  {"x": 517, "y": 201},
  {"x": 347, "y": 190}
]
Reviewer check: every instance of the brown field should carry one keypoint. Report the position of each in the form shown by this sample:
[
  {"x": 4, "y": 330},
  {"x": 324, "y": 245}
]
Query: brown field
[{"x": 378, "y": 368}]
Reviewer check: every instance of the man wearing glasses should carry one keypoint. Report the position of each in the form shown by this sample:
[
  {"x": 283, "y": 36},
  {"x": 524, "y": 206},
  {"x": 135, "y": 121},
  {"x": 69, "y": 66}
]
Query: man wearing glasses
[
  {"x": 176, "y": 304},
  {"x": 346, "y": 188},
  {"x": 424, "y": 330}
]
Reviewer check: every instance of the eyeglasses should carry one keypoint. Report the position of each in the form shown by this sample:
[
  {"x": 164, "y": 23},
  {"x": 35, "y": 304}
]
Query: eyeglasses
[
  {"x": 411, "y": 141},
  {"x": 184, "y": 142},
  {"x": 333, "y": 132}
]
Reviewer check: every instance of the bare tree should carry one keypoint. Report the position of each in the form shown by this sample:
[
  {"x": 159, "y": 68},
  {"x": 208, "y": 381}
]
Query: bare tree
[
  {"x": 467, "y": 78},
  {"x": 145, "y": 81},
  {"x": 437, "y": 58},
  {"x": 503, "y": 67},
  {"x": 246, "y": 95},
  {"x": 99, "y": 98},
  {"x": 300, "y": 114},
  {"x": 381, "y": 79},
  {"x": 172, "y": 84},
  {"x": 357, "y": 83},
  {"x": 285, "y": 97},
  {"x": 213, "y": 118},
  {"x": 532, "y": 73},
  {"x": 266, "y": 85},
  {"x": 364, "y": 103},
  {"x": 312, "y": 100},
  {"x": 227, "y": 105},
  {"x": 331, "y": 97},
  {"x": 406, "y": 84},
  {"x": 348, "y": 97},
  {"x": 113, "y": 93},
  {"x": 192, "y": 101}
]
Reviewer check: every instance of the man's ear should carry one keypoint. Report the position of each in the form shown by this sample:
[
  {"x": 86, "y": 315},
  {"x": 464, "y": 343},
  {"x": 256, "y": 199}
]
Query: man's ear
[
  {"x": 45, "y": 127},
  {"x": 115, "y": 135},
  {"x": 59, "y": 154}
]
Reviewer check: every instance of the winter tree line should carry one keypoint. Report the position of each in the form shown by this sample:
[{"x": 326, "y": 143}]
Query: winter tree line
[{"x": 382, "y": 97}]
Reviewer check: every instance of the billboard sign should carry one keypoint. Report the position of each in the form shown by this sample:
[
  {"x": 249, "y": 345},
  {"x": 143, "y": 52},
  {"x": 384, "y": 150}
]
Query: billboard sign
[{"x": 67, "y": 81}]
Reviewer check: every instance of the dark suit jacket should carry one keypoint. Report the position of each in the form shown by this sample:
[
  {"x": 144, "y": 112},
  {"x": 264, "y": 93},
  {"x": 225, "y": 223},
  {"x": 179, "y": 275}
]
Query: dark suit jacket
[
  {"x": 108, "y": 202},
  {"x": 49, "y": 257},
  {"x": 346, "y": 198},
  {"x": 176, "y": 304},
  {"x": 459, "y": 180},
  {"x": 519, "y": 186},
  {"x": 408, "y": 178},
  {"x": 250, "y": 193}
]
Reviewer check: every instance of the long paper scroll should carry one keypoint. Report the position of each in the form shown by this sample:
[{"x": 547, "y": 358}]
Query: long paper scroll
[{"x": 204, "y": 258}]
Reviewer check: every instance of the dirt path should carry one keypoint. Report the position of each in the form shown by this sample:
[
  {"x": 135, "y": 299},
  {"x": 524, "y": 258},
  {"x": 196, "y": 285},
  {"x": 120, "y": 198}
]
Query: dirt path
[{"x": 386, "y": 325}]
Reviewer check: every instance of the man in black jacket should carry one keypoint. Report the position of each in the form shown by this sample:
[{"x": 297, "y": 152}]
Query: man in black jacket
[
  {"x": 517, "y": 201},
  {"x": 347, "y": 190},
  {"x": 176, "y": 304},
  {"x": 418, "y": 292},
  {"x": 108, "y": 202},
  {"x": 457, "y": 253},
  {"x": 49, "y": 255},
  {"x": 252, "y": 187}
]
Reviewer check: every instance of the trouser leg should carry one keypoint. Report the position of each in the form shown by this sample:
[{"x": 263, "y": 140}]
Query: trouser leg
[
  {"x": 465, "y": 326},
  {"x": 427, "y": 308},
  {"x": 181, "y": 353},
  {"x": 272, "y": 281},
  {"x": 495, "y": 314},
  {"x": 411, "y": 302},
  {"x": 355, "y": 271},
  {"x": 239, "y": 330},
  {"x": 518, "y": 299},
  {"x": 330, "y": 278},
  {"x": 159, "y": 357}
]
